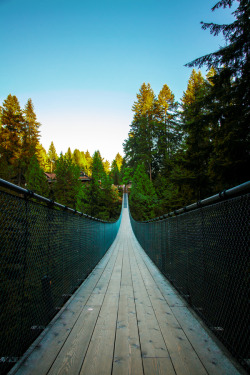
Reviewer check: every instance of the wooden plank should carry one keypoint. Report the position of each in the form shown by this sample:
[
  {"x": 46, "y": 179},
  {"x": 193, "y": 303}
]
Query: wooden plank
[
  {"x": 187, "y": 330},
  {"x": 183, "y": 357},
  {"x": 126, "y": 319},
  {"x": 158, "y": 366},
  {"x": 213, "y": 358},
  {"x": 127, "y": 356},
  {"x": 101, "y": 345},
  {"x": 70, "y": 358},
  {"x": 43, "y": 352},
  {"x": 152, "y": 343}
]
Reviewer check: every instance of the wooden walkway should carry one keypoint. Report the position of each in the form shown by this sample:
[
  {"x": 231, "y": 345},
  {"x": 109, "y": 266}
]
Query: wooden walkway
[{"x": 125, "y": 319}]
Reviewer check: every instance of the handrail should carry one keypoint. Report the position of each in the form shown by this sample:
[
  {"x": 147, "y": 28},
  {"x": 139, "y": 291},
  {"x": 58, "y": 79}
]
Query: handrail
[
  {"x": 30, "y": 194},
  {"x": 225, "y": 194}
]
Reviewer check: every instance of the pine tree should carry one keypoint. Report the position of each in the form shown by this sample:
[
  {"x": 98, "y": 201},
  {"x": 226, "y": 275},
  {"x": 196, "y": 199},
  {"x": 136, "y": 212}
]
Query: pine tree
[
  {"x": 197, "y": 145},
  {"x": 11, "y": 134},
  {"x": 36, "y": 179},
  {"x": 139, "y": 147},
  {"x": 106, "y": 165},
  {"x": 127, "y": 175},
  {"x": 67, "y": 185},
  {"x": 30, "y": 132},
  {"x": 79, "y": 159},
  {"x": 88, "y": 159},
  {"x": 119, "y": 160},
  {"x": 98, "y": 198},
  {"x": 114, "y": 173},
  {"x": 143, "y": 197},
  {"x": 52, "y": 157},
  {"x": 68, "y": 154},
  {"x": 229, "y": 99},
  {"x": 167, "y": 131},
  {"x": 42, "y": 157}
]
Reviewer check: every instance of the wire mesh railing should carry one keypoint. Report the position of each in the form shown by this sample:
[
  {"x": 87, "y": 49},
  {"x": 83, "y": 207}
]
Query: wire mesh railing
[
  {"x": 47, "y": 250},
  {"x": 203, "y": 250}
]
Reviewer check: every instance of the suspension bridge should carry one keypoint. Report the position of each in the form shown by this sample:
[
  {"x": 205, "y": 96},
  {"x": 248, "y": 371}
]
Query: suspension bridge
[{"x": 121, "y": 315}]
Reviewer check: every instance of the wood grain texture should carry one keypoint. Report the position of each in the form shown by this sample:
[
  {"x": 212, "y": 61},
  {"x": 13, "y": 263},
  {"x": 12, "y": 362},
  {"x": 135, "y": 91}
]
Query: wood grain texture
[{"x": 126, "y": 319}]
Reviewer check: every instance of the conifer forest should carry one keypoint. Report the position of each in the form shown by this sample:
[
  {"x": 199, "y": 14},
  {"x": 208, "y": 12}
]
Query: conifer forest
[{"x": 176, "y": 153}]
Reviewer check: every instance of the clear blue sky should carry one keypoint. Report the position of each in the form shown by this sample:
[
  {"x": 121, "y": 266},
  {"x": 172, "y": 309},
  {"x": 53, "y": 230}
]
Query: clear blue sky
[{"x": 82, "y": 62}]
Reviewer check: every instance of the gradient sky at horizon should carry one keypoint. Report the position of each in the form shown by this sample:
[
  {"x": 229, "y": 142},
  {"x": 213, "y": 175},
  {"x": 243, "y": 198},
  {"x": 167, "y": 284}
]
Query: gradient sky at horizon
[{"x": 82, "y": 62}]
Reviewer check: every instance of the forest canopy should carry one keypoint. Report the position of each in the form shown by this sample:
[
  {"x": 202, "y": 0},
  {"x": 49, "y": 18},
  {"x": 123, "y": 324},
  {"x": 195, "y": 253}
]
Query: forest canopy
[{"x": 176, "y": 153}]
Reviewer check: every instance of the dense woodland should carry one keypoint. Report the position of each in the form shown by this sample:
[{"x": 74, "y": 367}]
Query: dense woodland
[
  {"x": 24, "y": 161},
  {"x": 176, "y": 152}
]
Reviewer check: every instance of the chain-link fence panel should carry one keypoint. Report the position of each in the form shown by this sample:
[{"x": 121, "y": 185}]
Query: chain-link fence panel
[
  {"x": 45, "y": 254},
  {"x": 204, "y": 253}
]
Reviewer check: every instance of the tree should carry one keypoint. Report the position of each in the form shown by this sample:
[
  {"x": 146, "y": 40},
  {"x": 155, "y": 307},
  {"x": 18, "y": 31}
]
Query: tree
[
  {"x": 30, "y": 132},
  {"x": 127, "y": 175},
  {"x": 197, "y": 145},
  {"x": 230, "y": 97},
  {"x": 79, "y": 159},
  {"x": 88, "y": 159},
  {"x": 167, "y": 132},
  {"x": 36, "y": 179},
  {"x": 114, "y": 173},
  {"x": 106, "y": 165},
  {"x": 67, "y": 185},
  {"x": 11, "y": 133},
  {"x": 68, "y": 154},
  {"x": 139, "y": 147},
  {"x": 98, "y": 198},
  {"x": 52, "y": 157},
  {"x": 42, "y": 157},
  {"x": 142, "y": 197},
  {"x": 118, "y": 159}
]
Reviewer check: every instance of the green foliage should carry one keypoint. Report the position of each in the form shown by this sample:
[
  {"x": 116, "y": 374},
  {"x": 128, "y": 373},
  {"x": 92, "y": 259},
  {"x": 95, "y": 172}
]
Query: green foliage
[
  {"x": 11, "y": 132},
  {"x": 42, "y": 157},
  {"x": 127, "y": 175},
  {"x": 229, "y": 99},
  {"x": 195, "y": 149},
  {"x": 36, "y": 179},
  {"x": 143, "y": 197},
  {"x": 67, "y": 185},
  {"x": 98, "y": 198},
  {"x": 52, "y": 157},
  {"x": 88, "y": 168},
  {"x": 30, "y": 132},
  {"x": 115, "y": 173},
  {"x": 119, "y": 161}
]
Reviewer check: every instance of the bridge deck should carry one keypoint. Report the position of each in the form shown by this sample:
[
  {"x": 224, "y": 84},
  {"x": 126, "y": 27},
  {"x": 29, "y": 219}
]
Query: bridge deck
[{"x": 125, "y": 319}]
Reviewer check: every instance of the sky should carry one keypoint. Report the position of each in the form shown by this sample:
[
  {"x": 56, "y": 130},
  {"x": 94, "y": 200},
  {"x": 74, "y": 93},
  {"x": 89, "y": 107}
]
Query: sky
[{"x": 83, "y": 62}]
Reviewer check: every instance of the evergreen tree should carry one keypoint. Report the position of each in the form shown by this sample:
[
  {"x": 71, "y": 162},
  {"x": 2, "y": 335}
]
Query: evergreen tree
[
  {"x": 114, "y": 173},
  {"x": 197, "y": 144},
  {"x": 79, "y": 159},
  {"x": 88, "y": 159},
  {"x": 52, "y": 157},
  {"x": 106, "y": 166},
  {"x": 127, "y": 175},
  {"x": 98, "y": 198},
  {"x": 119, "y": 160},
  {"x": 11, "y": 134},
  {"x": 30, "y": 132},
  {"x": 42, "y": 157},
  {"x": 142, "y": 197},
  {"x": 36, "y": 179},
  {"x": 167, "y": 132},
  {"x": 68, "y": 154},
  {"x": 229, "y": 99},
  {"x": 139, "y": 147},
  {"x": 67, "y": 185}
]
